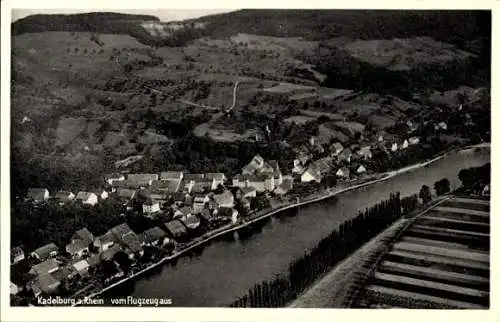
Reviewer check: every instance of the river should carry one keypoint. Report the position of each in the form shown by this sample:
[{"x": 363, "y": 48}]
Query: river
[{"x": 225, "y": 269}]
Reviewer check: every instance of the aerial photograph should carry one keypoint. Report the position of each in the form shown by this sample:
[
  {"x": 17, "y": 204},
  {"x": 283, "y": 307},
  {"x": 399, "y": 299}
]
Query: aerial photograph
[{"x": 250, "y": 158}]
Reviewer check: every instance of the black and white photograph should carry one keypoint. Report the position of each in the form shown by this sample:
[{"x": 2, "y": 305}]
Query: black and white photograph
[{"x": 249, "y": 158}]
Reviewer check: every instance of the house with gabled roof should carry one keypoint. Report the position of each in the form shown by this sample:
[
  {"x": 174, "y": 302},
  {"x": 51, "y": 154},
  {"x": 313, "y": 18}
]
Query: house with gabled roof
[
  {"x": 110, "y": 178},
  {"x": 224, "y": 199},
  {"x": 343, "y": 172},
  {"x": 336, "y": 148},
  {"x": 171, "y": 175},
  {"x": 191, "y": 221},
  {"x": 126, "y": 194},
  {"x": 176, "y": 228},
  {"x": 150, "y": 207},
  {"x": 120, "y": 231},
  {"x": 104, "y": 242},
  {"x": 16, "y": 255},
  {"x": 45, "y": 252},
  {"x": 46, "y": 267},
  {"x": 132, "y": 245},
  {"x": 77, "y": 248},
  {"x": 365, "y": 152},
  {"x": 246, "y": 192},
  {"x": 87, "y": 198},
  {"x": 256, "y": 163},
  {"x": 167, "y": 186},
  {"x": 142, "y": 177},
  {"x": 38, "y": 194},
  {"x": 81, "y": 266},
  {"x": 154, "y": 236},
  {"x": 413, "y": 140},
  {"x": 345, "y": 155},
  {"x": 199, "y": 203},
  {"x": 45, "y": 284},
  {"x": 230, "y": 213},
  {"x": 84, "y": 235},
  {"x": 64, "y": 196}
]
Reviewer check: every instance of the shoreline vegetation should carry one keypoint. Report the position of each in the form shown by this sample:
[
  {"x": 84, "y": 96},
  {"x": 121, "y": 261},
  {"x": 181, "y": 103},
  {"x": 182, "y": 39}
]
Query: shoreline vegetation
[{"x": 268, "y": 213}]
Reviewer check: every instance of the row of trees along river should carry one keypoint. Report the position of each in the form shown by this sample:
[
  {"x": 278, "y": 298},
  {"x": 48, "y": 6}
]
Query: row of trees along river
[{"x": 329, "y": 251}]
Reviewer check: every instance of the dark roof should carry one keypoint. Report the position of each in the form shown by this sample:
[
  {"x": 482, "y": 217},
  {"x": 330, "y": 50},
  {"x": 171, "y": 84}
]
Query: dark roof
[
  {"x": 132, "y": 242},
  {"x": 84, "y": 234},
  {"x": 37, "y": 193},
  {"x": 75, "y": 246},
  {"x": 168, "y": 185},
  {"x": 45, "y": 267},
  {"x": 45, "y": 282},
  {"x": 217, "y": 176},
  {"x": 193, "y": 176},
  {"x": 44, "y": 251},
  {"x": 16, "y": 251},
  {"x": 153, "y": 234},
  {"x": 63, "y": 195},
  {"x": 225, "y": 212},
  {"x": 126, "y": 193},
  {"x": 206, "y": 214},
  {"x": 175, "y": 227},
  {"x": 171, "y": 175},
  {"x": 150, "y": 202},
  {"x": 179, "y": 196},
  {"x": 120, "y": 231},
  {"x": 201, "y": 186}
]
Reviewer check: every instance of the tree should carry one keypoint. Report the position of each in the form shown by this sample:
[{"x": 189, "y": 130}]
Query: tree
[
  {"x": 442, "y": 186},
  {"x": 425, "y": 194}
]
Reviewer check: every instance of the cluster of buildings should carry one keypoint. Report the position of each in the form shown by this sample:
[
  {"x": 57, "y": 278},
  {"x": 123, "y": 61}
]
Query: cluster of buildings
[{"x": 346, "y": 162}]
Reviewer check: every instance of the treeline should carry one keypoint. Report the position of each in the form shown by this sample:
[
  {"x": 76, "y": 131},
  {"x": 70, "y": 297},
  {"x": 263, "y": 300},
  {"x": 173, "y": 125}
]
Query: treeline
[
  {"x": 326, "y": 254},
  {"x": 476, "y": 178}
]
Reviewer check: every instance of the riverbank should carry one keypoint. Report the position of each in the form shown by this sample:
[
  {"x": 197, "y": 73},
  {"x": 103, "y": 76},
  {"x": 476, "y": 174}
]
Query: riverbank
[{"x": 267, "y": 213}]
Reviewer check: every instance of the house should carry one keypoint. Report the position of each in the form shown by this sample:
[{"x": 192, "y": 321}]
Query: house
[
  {"x": 260, "y": 182},
  {"x": 171, "y": 175},
  {"x": 104, "y": 242},
  {"x": 225, "y": 199},
  {"x": 188, "y": 186},
  {"x": 336, "y": 148},
  {"x": 217, "y": 178},
  {"x": 38, "y": 194},
  {"x": 176, "y": 228},
  {"x": 110, "y": 252},
  {"x": 311, "y": 174},
  {"x": 113, "y": 177},
  {"x": 486, "y": 191},
  {"x": 442, "y": 126},
  {"x": 64, "y": 196},
  {"x": 16, "y": 255},
  {"x": 207, "y": 216},
  {"x": 230, "y": 213},
  {"x": 283, "y": 188},
  {"x": 94, "y": 261},
  {"x": 119, "y": 232},
  {"x": 191, "y": 221},
  {"x": 404, "y": 145},
  {"x": 256, "y": 163},
  {"x": 413, "y": 140},
  {"x": 103, "y": 194},
  {"x": 66, "y": 272},
  {"x": 183, "y": 212},
  {"x": 14, "y": 289},
  {"x": 45, "y": 284},
  {"x": 302, "y": 155},
  {"x": 77, "y": 248},
  {"x": 361, "y": 169},
  {"x": 144, "y": 179},
  {"x": 87, "y": 198},
  {"x": 132, "y": 245},
  {"x": 272, "y": 168},
  {"x": 150, "y": 207},
  {"x": 343, "y": 172},
  {"x": 179, "y": 198},
  {"x": 394, "y": 147},
  {"x": 199, "y": 203},
  {"x": 365, "y": 152},
  {"x": 154, "y": 237},
  {"x": 247, "y": 192},
  {"x": 345, "y": 155},
  {"x": 45, "y": 252},
  {"x": 193, "y": 177},
  {"x": 169, "y": 186},
  {"x": 84, "y": 235},
  {"x": 203, "y": 186},
  {"x": 81, "y": 266},
  {"x": 127, "y": 194},
  {"x": 45, "y": 267}
]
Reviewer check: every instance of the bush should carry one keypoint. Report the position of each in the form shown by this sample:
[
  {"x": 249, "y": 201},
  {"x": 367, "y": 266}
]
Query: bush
[{"x": 442, "y": 186}]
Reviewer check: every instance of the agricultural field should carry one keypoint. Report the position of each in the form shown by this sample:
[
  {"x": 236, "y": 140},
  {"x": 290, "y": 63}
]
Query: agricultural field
[{"x": 441, "y": 261}]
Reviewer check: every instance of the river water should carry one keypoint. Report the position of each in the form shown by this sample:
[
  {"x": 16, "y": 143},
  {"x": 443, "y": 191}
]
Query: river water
[{"x": 227, "y": 268}]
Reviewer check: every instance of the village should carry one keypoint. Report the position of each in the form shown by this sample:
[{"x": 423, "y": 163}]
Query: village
[{"x": 194, "y": 203}]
